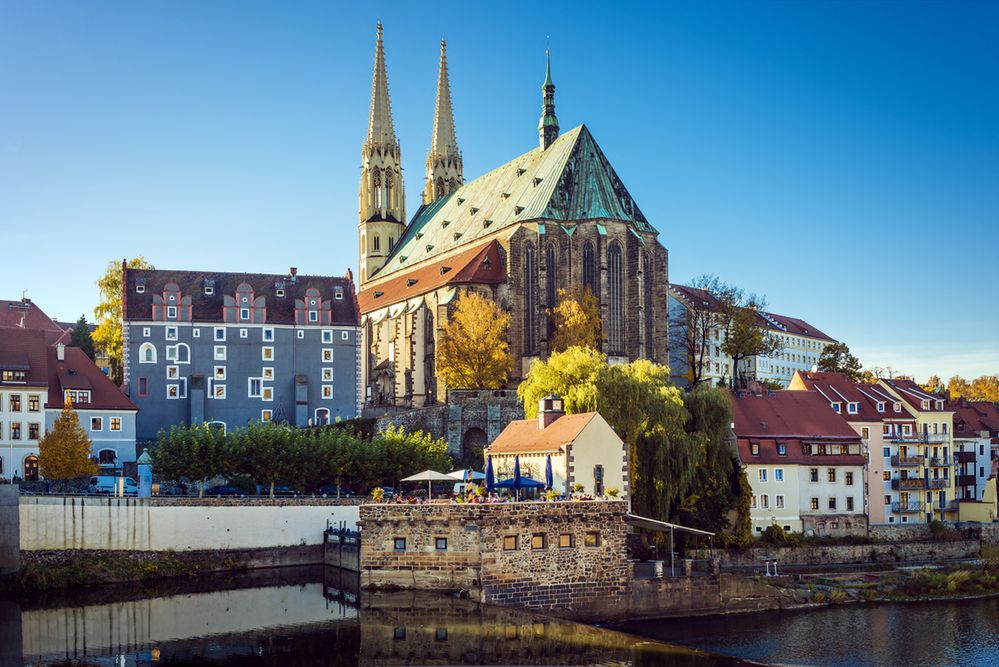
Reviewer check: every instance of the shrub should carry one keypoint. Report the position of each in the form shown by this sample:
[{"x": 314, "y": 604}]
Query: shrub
[
  {"x": 577, "y": 488},
  {"x": 819, "y": 597},
  {"x": 837, "y": 596},
  {"x": 777, "y": 536},
  {"x": 378, "y": 493},
  {"x": 612, "y": 492}
]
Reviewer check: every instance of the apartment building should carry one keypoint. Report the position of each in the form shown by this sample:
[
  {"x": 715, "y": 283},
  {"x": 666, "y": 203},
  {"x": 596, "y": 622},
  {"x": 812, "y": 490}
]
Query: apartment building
[
  {"x": 976, "y": 434},
  {"x": 805, "y": 464}
]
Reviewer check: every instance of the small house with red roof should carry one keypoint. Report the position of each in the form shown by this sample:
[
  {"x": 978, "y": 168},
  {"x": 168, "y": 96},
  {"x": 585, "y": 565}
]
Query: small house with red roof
[
  {"x": 583, "y": 447},
  {"x": 804, "y": 462},
  {"x": 976, "y": 432}
]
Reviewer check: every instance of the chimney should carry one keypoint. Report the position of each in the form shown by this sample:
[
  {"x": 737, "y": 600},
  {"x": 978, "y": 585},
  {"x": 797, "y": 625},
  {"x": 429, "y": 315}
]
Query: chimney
[
  {"x": 60, "y": 352},
  {"x": 293, "y": 274},
  {"x": 549, "y": 409}
]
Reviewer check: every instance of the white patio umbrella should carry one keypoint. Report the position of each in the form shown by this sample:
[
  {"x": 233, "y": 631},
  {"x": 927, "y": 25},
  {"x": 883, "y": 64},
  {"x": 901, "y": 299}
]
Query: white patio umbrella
[
  {"x": 460, "y": 475},
  {"x": 428, "y": 476}
]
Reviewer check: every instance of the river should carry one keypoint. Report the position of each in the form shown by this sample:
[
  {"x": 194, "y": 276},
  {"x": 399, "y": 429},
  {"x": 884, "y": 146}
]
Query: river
[
  {"x": 913, "y": 634},
  {"x": 304, "y": 617}
]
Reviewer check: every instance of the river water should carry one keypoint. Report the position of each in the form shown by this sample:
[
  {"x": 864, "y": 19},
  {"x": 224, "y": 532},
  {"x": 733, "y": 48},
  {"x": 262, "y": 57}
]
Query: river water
[
  {"x": 911, "y": 634},
  {"x": 305, "y": 617}
]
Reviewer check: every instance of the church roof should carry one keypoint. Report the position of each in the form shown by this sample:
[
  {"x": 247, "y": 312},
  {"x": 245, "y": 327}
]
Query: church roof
[{"x": 568, "y": 182}]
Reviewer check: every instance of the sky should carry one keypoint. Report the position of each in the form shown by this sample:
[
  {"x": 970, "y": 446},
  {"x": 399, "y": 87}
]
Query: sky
[{"x": 840, "y": 158}]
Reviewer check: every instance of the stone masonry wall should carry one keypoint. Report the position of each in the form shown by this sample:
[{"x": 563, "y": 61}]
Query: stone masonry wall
[
  {"x": 899, "y": 552},
  {"x": 477, "y": 556}
]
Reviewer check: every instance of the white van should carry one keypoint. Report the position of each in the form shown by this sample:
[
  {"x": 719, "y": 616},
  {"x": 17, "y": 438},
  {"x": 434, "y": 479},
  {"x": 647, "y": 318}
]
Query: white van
[{"x": 107, "y": 483}]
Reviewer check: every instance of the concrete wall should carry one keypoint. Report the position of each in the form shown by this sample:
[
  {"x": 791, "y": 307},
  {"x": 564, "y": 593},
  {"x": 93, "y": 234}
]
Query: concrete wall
[
  {"x": 158, "y": 524},
  {"x": 10, "y": 557}
]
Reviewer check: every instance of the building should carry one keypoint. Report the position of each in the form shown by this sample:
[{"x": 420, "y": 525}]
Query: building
[
  {"x": 584, "y": 449},
  {"x": 975, "y": 432},
  {"x": 38, "y": 372},
  {"x": 895, "y": 484},
  {"x": 233, "y": 348},
  {"x": 805, "y": 464},
  {"x": 557, "y": 216},
  {"x": 703, "y": 345}
]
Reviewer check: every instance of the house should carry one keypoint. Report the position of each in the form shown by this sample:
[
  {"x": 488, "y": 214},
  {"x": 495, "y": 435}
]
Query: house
[
  {"x": 232, "y": 348},
  {"x": 584, "y": 449},
  {"x": 804, "y": 462},
  {"x": 976, "y": 428},
  {"x": 896, "y": 484}
]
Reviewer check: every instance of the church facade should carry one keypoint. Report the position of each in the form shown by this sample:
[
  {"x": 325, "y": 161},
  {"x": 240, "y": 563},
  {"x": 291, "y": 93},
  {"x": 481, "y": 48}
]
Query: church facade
[{"x": 555, "y": 217}]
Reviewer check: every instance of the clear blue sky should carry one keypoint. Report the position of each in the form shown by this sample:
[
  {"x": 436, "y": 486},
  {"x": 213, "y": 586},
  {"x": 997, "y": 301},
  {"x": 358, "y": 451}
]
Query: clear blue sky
[{"x": 841, "y": 158}]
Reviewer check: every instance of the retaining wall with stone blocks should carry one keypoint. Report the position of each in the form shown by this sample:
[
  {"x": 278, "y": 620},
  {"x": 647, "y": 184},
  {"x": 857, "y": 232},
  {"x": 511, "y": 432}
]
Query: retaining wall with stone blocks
[
  {"x": 900, "y": 552},
  {"x": 10, "y": 532}
]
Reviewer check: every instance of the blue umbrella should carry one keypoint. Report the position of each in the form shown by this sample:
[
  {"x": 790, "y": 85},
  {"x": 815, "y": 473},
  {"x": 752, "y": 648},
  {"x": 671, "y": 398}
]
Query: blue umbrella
[
  {"x": 549, "y": 477},
  {"x": 490, "y": 479},
  {"x": 524, "y": 483},
  {"x": 516, "y": 475}
]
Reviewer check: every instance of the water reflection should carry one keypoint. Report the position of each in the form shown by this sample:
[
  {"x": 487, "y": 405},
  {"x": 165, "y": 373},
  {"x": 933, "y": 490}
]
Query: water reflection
[{"x": 306, "y": 617}]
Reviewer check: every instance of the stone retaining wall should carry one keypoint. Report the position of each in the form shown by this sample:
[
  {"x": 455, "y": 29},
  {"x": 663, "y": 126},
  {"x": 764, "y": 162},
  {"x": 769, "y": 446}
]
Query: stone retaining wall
[{"x": 901, "y": 552}]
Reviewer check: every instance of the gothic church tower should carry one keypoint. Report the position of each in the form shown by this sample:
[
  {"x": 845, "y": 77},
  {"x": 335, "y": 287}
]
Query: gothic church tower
[
  {"x": 382, "y": 210},
  {"x": 444, "y": 169}
]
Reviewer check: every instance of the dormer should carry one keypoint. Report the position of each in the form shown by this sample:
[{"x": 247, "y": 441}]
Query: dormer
[
  {"x": 881, "y": 406},
  {"x": 924, "y": 404},
  {"x": 898, "y": 406},
  {"x": 852, "y": 407},
  {"x": 837, "y": 406}
]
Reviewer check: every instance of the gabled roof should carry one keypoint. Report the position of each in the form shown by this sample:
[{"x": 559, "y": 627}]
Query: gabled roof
[
  {"x": 27, "y": 347},
  {"x": 570, "y": 181},
  {"x": 208, "y": 308},
  {"x": 696, "y": 298},
  {"x": 914, "y": 395},
  {"x": 524, "y": 436},
  {"x": 838, "y": 388},
  {"x": 481, "y": 264},
  {"x": 77, "y": 371},
  {"x": 802, "y": 414},
  {"x": 976, "y": 416},
  {"x": 26, "y": 315},
  {"x": 792, "y": 325}
]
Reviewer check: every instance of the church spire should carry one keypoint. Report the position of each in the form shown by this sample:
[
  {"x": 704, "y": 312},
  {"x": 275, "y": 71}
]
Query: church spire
[
  {"x": 444, "y": 167},
  {"x": 548, "y": 125},
  {"x": 380, "y": 129}
]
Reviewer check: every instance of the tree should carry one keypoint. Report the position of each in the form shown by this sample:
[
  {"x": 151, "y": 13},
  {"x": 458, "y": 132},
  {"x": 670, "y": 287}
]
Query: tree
[
  {"x": 80, "y": 337},
  {"x": 693, "y": 325},
  {"x": 836, "y": 358},
  {"x": 745, "y": 334},
  {"x": 577, "y": 320},
  {"x": 473, "y": 352},
  {"x": 195, "y": 453},
  {"x": 108, "y": 312},
  {"x": 64, "y": 451},
  {"x": 933, "y": 385}
]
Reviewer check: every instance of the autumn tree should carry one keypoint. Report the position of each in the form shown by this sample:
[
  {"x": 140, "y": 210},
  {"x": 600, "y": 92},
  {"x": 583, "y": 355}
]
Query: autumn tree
[
  {"x": 933, "y": 385},
  {"x": 746, "y": 335},
  {"x": 64, "y": 451},
  {"x": 473, "y": 352},
  {"x": 108, "y": 312},
  {"x": 577, "y": 320},
  {"x": 694, "y": 322},
  {"x": 983, "y": 388},
  {"x": 80, "y": 337},
  {"x": 836, "y": 358}
]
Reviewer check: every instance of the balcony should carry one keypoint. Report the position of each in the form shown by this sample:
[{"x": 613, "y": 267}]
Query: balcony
[
  {"x": 939, "y": 461},
  {"x": 907, "y": 508},
  {"x": 900, "y": 460},
  {"x": 910, "y": 484},
  {"x": 937, "y": 483},
  {"x": 966, "y": 480},
  {"x": 964, "y": 457}
]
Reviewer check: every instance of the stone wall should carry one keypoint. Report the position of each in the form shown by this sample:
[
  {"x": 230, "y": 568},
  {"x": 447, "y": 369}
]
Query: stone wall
[
  {"x": 10, "y": 555},
  {"x": 987, "y": 532},
  {"x": 490, "y": 550},
  {"x": 182, "y": 524},
  {"x": 899, "y": 552}
]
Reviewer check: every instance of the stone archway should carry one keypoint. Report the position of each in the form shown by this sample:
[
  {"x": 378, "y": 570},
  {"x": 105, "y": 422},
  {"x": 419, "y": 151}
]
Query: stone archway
[
  {"x": 472, "y": 444},
  {"x": 31, "y": 468}
]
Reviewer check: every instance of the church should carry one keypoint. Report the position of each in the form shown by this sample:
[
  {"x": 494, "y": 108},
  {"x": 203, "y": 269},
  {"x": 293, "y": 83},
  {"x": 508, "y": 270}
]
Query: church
[{"x": 555, "y": 217}]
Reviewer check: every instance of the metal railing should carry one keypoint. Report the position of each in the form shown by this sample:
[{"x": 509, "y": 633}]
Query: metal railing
[
  {"x": 964, "y": 457},
  {"x": 967, "y": 480},
  {"x": 941, "y": 483},
  {"x": 904, "y": 508},
  {"x": 910, "y": 484},
  {"x": 939, "y": 461},
  {"x": 906, "y": 460}
]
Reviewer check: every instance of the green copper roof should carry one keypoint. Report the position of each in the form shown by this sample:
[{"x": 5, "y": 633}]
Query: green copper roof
[{"x": 568, "y": 182}]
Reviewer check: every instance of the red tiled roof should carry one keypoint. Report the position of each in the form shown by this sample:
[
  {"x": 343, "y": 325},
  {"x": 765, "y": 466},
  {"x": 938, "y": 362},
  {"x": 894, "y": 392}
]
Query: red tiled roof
[
  {"x": 523, "y": 435},
  {"x": 798, "y": 327},
  {"x": 794, "y": 449},
  {"x": 703, "y": 299},
  {"x": 482, "y": 264},
  {"x": 27, "y": 346},
  {"x": 787, "y": 414},
  {"x": 25, "y": 315},
  {"x": 77, "y": 371},
  {"x": 976, "y": 416},
  {"x": 697, "y": 298},
  {"x": 208, "y": 308},
  {"x": 837, "y": 387},
  {"x": 913, "y": 394}
]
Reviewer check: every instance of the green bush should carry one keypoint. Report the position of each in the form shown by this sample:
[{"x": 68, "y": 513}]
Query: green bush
[{"x": 837, "y": 596}]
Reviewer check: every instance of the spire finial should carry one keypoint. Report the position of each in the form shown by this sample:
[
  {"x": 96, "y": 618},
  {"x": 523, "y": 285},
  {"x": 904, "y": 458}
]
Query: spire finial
[
  {"x": 444, "y": 167},
  {"x": 380, "y": 127},
  {"x": 548, "y": 125}
]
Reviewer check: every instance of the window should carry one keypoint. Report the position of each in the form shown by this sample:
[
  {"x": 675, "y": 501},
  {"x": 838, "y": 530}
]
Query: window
[
  {"x": 591, "y": 539},
  {"x": 140, "y": 289},
  {"x": 33, "y": 430},
  {"x": 814, "y": 474},
  {"x": 832, "y": 503},
  {"x": 145, "y": 332},
  {"x": 77, "y": 395},
  {"x": 831, "y": 474},
  {"x": 886, "y": 476},
  {"x": 327, "y": 391},
  {"x": 344, "y": 335},
  {"x": 115, "y": 423},
  {"x": 267, "y": 353},
  {"x": 754, "y": 448},
  {"x": 172, "y": 372},
  {"x": 195, "y": 333},
  {"x": 778, "y": 474},
  {"x": 779, "y": 501},
  {"x": 279, "y": 292},
  {"x": 243, "y": 333},
  {"x": 327, "y": 355},
  {"x": 849, "y": 478},
  {"x": 327, "y": 375},
  {"x": 220, "y": 333},
  {"x": 440, "y": 544},
  {"x": 268, "y": 394},
  {"x": 268, "y": 335},
  {"x": 171, "y": 333},
  {"x": 267, "y": 372},
  {"x": 538, "y": 541},
  {"x": 171, "y": 312},
  {"x": 15, "y": 402},
  {"x": 15, "y": 430},
  {"x": 815, "y": 503},
  {"x": 782, "y": 449},
  {"x": 147, "y": 353},
  {"x": 753, "y": 503},
  {"x": 853, "y": 408},
  {"x": 143, "y": 387},
  {"x": 530, "y": 300},
  {"x": 763, "y": 474},
  {"x": 244, "y": 313},
  {"x": 220, "y": 373},
  {"x": 509, "y": 543},
  {"x": 313, "y": 316},
  {"x": 887, "y": 500},
  {"x": 96, "y": 424},
  {"x": 765, "y": 502},
  {"x": 182, "y": 353},
  {"x": 301, "y": 334},
  {"x": 254, "y": 388},
  {"x": 897, "y": 406},
  {"x": 865, "y": 432},
  {"x": 327, "y": 336},
  {"x": 849, "y": 504},
  {"x": 218, "y": 391},
  {"x": 177, "y": 389},
  {"x": 615, "y": 297},
  {"x": 265, "y": 415},
  {"x": 565, "y": 541},
  {"x": 220, "y": 353},
  {"x": 34, "y": 403},
  {"x": 881, "y": 406},
  {"x": 440, "y": 634},
  {"x": 399, "y": 544},
  {"x": 835, "y": 407}
]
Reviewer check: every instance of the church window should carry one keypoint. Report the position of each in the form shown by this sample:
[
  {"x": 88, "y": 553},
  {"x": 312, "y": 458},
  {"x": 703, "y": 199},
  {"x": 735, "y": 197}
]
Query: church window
[
  {"x": 647, "y": 305},
  {"x": 391, "y": 244},
  {"x": 615, "y": 293},
  {"x": 530, "y": 299},
  {"x": 589, "y": 267},
  {"x": 452, "y": 185},
  {"x": 440, "y": 188},
  {"x": 376, "y": 243},
  {"x": 551, "y": 286}
]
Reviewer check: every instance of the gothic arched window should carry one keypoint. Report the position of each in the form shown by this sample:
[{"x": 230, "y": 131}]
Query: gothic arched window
[
  {"x": 530, "y": 299},
  {"x": 589, "y": 267},
  {"x": 647, "y": 301},
  {"x": 452, "y": 185},
  {"x": 551, "y": 284},
  {"x": 376, "y": 243},
  {"x": 388, "y": 187},
  {"x": 615, "y": 296},
  {"x": 439, "y": 187},
  {"x": 376, "y": 186}
]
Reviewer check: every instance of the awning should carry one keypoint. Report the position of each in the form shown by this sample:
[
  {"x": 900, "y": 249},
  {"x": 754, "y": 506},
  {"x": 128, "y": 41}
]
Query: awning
[{"x": 662, "y": 526}]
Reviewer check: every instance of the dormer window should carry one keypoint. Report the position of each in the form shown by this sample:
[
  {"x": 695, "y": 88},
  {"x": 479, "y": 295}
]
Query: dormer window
[
  {"x": 139, "y": 289},
  {"x": 279, "y": 292},
  {"x": 77, "y": 395},
  {"x": 925, "y": 405},
  {"x": 338, "y": 293},
  {"x": 209, "y": 287},
  {"x": 898, "y": 407},
  {"x": 940, "y": 405},
  {"x": 881, "y": 406},
  {"x": 836, "y": 407},
  {"x": 171, "y": 312},
  {"x": 853, "y": 408},
  {"x": 782, "y": 449},
  {"x": 244, "y": 313},
  {"x": 754, "y": 448}
]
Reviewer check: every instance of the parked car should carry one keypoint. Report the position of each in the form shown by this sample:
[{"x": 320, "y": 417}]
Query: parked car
[
  {"x": 334, "y": 491},
  {"x": 108, "y": 483},
  {"x": 389, "y": 492},
  {"x": 279, "y": 490},
  {"x": 224, "y": 491}
]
